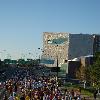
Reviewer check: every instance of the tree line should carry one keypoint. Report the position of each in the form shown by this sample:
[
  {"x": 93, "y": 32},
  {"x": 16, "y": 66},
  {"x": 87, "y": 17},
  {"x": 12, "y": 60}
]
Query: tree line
[{"x": 91, "y": 73}]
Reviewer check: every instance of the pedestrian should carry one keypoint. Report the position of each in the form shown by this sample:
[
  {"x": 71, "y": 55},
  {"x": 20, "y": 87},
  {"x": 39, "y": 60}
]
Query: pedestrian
[
  {"x": 84, "y": 98},
  {"x": 75, "y": 95},
  {"x": 72, "y": 93},
  {"x": 80, "y": 89},
  {"x": 95, "y": 94},
  {"x": 10, "y": 97},
  {"x": 22, "y": 97},
  {"x": 5, "y": 97}
]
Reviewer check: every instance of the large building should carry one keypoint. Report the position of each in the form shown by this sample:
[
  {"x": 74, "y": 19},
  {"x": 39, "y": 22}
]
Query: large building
[
  {"x": 80, "y": 45},
  {"x": 96, "y": 45},
  {"x": 65, "y": 46},
  {"x": 55, "y": 46}
]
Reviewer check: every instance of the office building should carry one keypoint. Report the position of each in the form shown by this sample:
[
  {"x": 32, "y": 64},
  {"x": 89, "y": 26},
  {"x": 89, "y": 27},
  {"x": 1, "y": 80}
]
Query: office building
[
  {"x": 96, "y": 44},
  {"x": 65, "y": 46},
  {"x": 55, "y": 47}
]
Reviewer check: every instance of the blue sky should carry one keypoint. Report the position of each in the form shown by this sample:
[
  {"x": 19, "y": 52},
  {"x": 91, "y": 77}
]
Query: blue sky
[{"x": 22, "y": 22}]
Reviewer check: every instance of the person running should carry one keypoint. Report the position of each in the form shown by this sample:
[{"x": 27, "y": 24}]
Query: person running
[
  {"x": 27, "y": 98},
  {"x": 22, "y": 97},
  {"x": 5, "y": 97},
  {"x": 10, "y": 97},
  {"x": 72, "y": 93}
]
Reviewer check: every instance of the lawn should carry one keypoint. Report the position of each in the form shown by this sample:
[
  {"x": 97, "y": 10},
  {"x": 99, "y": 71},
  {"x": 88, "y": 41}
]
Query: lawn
[{"x": 84, "y": 92}]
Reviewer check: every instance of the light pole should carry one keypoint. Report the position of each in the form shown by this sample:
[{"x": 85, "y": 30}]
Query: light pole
[
  {"x": 0, "y": 55},
  {"x": 4, "y": 54},
  {"x": 39, "y": 54},
  {"x": 57, "y": 66}
]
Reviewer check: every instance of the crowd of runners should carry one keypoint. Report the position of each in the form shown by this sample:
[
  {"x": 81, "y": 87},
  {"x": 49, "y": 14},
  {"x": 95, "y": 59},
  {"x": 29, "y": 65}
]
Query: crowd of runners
[{"x": 24, "y": 85}]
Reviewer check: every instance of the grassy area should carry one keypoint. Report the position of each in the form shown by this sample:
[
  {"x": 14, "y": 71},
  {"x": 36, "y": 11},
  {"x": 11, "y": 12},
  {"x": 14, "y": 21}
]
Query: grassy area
[
  {"x": 87, "y": 93},
  {"x": 84, "y": 92}
]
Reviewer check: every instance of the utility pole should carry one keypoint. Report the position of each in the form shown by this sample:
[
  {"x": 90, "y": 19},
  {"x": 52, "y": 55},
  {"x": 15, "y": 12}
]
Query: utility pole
[
  {"x": 57, "y": 66},
  {"x": 57, "y": 71}
]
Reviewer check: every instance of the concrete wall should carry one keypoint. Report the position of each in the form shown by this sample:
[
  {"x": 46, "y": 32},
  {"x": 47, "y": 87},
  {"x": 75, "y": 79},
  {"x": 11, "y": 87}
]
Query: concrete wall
[
  {"x": 80, "y": 45},
  {"x": 77, "y": 45},
  {"x": 72, "y": 68},
  {"x": 96, "y": 43},
  {"x": 51, "y": 50}
]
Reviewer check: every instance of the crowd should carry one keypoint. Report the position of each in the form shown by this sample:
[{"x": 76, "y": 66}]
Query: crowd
[{"x": 24, "y": 85}]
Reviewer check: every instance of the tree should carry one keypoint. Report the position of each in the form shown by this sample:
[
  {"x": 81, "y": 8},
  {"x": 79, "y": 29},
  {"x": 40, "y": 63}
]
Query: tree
[
  {"x": 94, "y": 70},
  {"x": 80, "y": 73}
]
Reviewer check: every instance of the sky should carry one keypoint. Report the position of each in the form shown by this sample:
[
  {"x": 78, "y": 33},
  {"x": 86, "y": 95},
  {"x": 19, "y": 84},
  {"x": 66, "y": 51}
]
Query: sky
[{"x": 22, "y": 23}]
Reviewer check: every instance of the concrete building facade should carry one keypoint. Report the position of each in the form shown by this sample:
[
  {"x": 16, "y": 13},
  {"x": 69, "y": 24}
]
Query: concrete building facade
[
  {"x": 66, "y": 46},
  {"x": 96, "y": 45},
  {"x": 80, "y": 45},
  {"x": 55, "y": 46}
]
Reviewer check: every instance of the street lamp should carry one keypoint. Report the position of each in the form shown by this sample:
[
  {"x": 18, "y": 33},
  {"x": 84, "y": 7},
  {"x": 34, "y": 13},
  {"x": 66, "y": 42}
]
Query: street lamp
[
  {"x": 57, "y": 68},
  {"x": 0, "y": 55},
  {"x": 39, "y": 54}
]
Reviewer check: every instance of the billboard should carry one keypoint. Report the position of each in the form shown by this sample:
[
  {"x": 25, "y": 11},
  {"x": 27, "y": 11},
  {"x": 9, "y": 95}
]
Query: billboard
[
  {"x": 57, "y": 41},
  {"x": 47, "y": 61}
]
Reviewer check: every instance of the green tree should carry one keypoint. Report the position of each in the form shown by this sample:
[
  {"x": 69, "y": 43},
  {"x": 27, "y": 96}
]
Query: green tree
[
  {"x": 80, "y": 73},
  {"x": 94, "y": 70}
]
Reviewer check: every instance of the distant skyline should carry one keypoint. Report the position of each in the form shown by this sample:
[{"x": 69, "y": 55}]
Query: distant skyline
[{"x": 22, "y": 23}]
